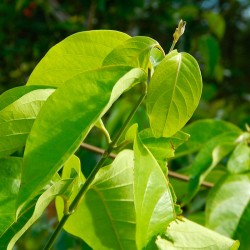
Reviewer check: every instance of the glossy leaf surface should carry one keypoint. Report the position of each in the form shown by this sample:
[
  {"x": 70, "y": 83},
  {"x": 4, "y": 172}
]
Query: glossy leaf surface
[
  {"x": 105, "y": 219},
  {"x": 75, "y": 54},
  {"x": 174, "y": 93},
  {"x": 187, "y": 235},
  {"x": 154, "y": 204},
  {"x": 19, "y": 108},
  {"x": 135, "y": 52},
  {"x": 227, "y": 205},
  {"x": 77, "y": 107}
]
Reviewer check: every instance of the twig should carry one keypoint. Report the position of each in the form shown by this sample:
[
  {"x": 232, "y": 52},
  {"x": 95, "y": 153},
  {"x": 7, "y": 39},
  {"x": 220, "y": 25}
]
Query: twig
[{"x": 172, "y": 174}]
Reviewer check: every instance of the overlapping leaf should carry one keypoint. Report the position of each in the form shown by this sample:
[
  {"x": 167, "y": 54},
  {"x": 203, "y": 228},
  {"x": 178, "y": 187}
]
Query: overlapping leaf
[
  {"x": 186, "y": 234},
  {"x": 59, "y": 188},
  {"x": 207, "y": 158},
  {"x": 77, "y": 107},
  {"x": 154, "y": 204},
  {"x": 18, "y": 110},
  {"x": 105, "y": 219},
  {"x": 227, "y": 208},
  {"x": 201, "y": 132},
  {"x": 136, "y": 52},
  {"x": 239, "y": 160},
  {"x": 10, "y": 174},
  {"x": 77, "y": 53},
  {"x": 174, "y": 93}
]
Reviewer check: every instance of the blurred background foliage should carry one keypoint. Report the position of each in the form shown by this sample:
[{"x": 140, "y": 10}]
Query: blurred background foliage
[{"x": 217, "y": 35}]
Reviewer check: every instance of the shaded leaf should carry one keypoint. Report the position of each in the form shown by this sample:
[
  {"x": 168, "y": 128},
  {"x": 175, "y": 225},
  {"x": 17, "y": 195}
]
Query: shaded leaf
[
  {"x": 77, "y": 107},
  {"x": 207, "y": 158},
  {"x": 154, "y": 203},
  {"x": 10, "y": 174},
  {"x": 186, "y": 234},
  {"x": 216, "y": 23},
  {"x": 226, "y": 206},
  {"x": 201, "y": 132},
  {"x": 20, "y": 107},
  {"x": 174, "y": 93},
  {"x": 75, "y": 54},
  {"x": 210, "y": 52},
  {"x": 105, "y": 218}
]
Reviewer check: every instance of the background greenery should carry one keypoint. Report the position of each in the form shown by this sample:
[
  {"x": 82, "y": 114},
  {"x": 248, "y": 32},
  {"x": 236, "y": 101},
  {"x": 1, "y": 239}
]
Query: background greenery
[{"x": 217, "y": 35}]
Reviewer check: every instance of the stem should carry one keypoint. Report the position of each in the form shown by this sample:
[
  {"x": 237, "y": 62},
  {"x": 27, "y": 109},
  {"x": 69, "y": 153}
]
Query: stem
[
  {"x": 172, "y": 174},
  {"x": 172, "y": 47},
  {"x": 92, "y": 175}
]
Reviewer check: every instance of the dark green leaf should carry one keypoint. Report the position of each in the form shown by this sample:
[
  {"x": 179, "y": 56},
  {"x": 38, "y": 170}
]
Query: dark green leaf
[{"x": 207, "y": 158}]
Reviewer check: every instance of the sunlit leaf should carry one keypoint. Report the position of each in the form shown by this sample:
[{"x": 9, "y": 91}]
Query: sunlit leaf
[
  {"x": 239, "y": 160},
  {"x": 135, "y": 52},
  {"x": 77, "y": 53},
  {"x": 76, "y": 108},
  {"x": 186, "y": 234},
  {"x": 105, "y": 219},
  {"x": 174, "y": 93},
  {"x": 162, "y": 148},
  {"x": 227, "y": 208},
  {"x": 44, "y": 200},
  {"x": 154, "y": 204},
  {"x": 18, "y": 110}
]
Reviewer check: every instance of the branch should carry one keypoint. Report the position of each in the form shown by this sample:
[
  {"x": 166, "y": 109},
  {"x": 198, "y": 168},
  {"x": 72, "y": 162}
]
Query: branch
[{"x": 172, "y": 174}]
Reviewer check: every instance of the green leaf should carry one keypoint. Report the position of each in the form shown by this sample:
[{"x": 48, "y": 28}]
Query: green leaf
[
  {"x": 207, "y": 158},
  {"x": 216, "y": 23},
  {"x": 154, "y": 203},
  {"x": 174, "y": 93},
  {"x": 201, "y": 132},
  {"x": 75, "y": 54},
  {"x": 77, "y": 107},
  {"x": 239, "y": 160},
  {"x": 227, "y": 208},
  {"x": 19, "y": 108},
  {"x": 105, "y": 218},
  {"x": 10, "y": 174},
  {"x": 210, "y": 52},
  {"x": 186, "y": 234},
  {"x": 134, "y": 52},
  {"x": 59, "y": 188},
  {"x": 162, "y": 148}
]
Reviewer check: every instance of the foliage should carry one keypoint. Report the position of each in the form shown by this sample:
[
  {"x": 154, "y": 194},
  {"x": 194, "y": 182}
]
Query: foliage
[{"x": 127, "y": 203}]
